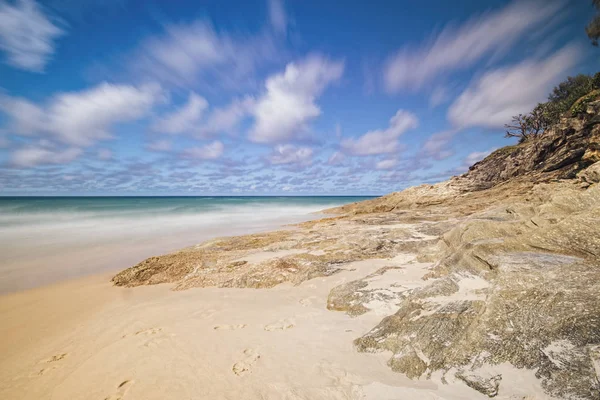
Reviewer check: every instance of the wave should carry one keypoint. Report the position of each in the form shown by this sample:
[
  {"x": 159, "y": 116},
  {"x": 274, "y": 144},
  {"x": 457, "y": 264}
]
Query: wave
[{"x": 47, "y": 242}]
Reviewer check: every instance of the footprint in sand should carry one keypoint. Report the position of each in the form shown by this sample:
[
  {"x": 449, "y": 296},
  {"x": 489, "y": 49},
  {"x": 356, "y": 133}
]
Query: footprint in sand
[
  {"x": 229, "y": 327},
  {"x": 145, "y": 332},
  {"x": 307, "y": 302},
  {"x": 244, "y": 366},
  {"x": 122, "y": 390},
  {"x": 204, "y": 313},
  {"x": 53, "y": 359},
  {"x": 280, "y": 325}
]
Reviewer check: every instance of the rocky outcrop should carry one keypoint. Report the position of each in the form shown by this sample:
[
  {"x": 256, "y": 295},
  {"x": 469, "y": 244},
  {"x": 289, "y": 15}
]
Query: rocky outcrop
[
  {"x": 516, "y": 284},
  {"x": 512, "y": 257},
  {"x": 560, "y": 153}
]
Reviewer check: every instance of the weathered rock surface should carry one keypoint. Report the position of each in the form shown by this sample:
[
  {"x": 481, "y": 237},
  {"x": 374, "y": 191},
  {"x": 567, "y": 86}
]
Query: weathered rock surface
[{"x": 514, "y": 276}]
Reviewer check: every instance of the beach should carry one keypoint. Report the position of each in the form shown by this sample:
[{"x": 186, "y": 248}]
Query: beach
[
  {"x": 45, "y": 240},
  {"x": 294, "y": 338},
  {"x": 87, "y": 339}
]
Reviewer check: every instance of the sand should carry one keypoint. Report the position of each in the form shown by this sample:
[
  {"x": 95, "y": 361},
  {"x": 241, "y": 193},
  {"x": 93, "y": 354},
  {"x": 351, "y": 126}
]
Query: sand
[{"x": 85, "y": 339}]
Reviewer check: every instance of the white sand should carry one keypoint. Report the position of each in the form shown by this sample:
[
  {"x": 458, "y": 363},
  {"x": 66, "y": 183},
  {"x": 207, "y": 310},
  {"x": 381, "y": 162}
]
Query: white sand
[{"x": 85, "y": 339}]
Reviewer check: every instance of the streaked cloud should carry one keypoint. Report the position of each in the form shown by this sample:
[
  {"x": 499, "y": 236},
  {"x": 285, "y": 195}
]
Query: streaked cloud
[
  {"x": 491, "y": 33},
  {"x": 437, "y": 146},
  {"x": 27, "y": 34},
  {"x": 195, "y": 54},
  {"x": 185, "y": 119},
  {"x": 278, "y": 16},
  {"x": 381, "y": 141},
  {"x": 494, "y": 98},
  {"x": 81, "y": 118},
  {"x": 34, "y": 155}
]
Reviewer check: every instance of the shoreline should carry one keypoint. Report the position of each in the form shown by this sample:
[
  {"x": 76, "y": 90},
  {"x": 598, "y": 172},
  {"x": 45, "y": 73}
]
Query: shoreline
[{"x": 110, "y": 258}]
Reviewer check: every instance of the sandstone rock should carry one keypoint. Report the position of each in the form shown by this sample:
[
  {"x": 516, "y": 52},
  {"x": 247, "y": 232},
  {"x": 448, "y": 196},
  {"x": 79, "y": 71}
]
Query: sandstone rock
[{"x": 486, "y": 385}]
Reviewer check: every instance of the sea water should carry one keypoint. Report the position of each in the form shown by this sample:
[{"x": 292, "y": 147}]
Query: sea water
[{"x": 49, "y": 239}]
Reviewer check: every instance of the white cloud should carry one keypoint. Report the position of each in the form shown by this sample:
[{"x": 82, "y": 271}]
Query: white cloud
[
  {"x": 477, "y": 156},
  {"x": 289, "y": 103},
  {"x": 455, "y": 48},
  {"x": 386, "y": 164},
  {"x": 81, "y": 118},
  {"x": 290, "y": 154},
  {"x": 104, "y": 154},
  {"x": 27, "y": 35},
  {"x": 159, "y": 145},
  {"x": 437, "y": 146},
  {"x": 494, "y": 98},
  {"x": 381, "y": 141},
  {"x": 438, "y": 96},
  {"x": 192, "y": 54},
  {"x": 226, "y": 119},
  {"x": 277, "y": 16},
  {"x": 4, "y": 142},
  {"x": 31, "y": 156},
  {"x": 336, "y": 158},
  {"x": 211, "y": 151},
  {"x": 184, "y": 120}
]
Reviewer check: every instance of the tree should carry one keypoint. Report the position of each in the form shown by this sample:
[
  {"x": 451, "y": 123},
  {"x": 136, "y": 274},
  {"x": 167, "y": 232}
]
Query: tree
[
  {"x": 566, "y": 94},
  {"x": 528, "y": 126},
  {"x": 593, "y": 28}
]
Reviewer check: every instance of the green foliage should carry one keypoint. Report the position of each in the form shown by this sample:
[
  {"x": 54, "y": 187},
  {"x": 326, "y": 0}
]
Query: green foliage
[
  {"x": 571, "y": 96},
  {"x": 596, "y": 80},
  {"x": 580, "y": 106},
  {"x": 566, "y": 94}
]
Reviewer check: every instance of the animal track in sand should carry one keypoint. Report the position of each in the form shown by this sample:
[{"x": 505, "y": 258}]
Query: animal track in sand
[
  {"x": 244, "y": 366},
  {"x": 121, "y": 391},
  {"x": 280, "y": 325},
  {"x": 229, "y": 327}
]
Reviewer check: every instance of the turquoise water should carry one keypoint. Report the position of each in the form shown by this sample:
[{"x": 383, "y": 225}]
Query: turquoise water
[{"x": 48, "y": 239}]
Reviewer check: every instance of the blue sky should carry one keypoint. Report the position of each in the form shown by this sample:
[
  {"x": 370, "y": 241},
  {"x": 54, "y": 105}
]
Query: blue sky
[{"x": 269, "y": 97}]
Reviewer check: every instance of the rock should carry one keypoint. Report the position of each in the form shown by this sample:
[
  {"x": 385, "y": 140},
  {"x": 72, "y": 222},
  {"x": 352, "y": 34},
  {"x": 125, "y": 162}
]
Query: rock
[
  {"x": 515, "y": 249},
  {"x": 591, "y": 174},
  {"x": 486, "y": 385}
]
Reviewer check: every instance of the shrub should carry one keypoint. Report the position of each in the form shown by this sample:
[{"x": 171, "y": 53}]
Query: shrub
[{"x": 580, "y": 106}]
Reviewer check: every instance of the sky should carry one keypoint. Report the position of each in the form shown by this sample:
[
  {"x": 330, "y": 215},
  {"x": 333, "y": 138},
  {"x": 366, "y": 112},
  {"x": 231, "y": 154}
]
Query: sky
[{"x": 270, "y": 97}]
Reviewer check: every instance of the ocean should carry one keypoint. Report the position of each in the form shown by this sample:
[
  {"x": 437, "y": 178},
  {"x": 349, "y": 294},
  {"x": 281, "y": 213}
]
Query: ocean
[{"x": 49, "y": 239}]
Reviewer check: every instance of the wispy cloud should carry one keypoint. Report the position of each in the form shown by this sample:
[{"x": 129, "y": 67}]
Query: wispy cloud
[
  {"x": 290, "y": 99},
  {"x": 493, "y": 99},
  {"x": 381, "y": 141},
  {"x": 278, "y": 16},
  {"x": 211, "y": 151},
  {"x": 386, "y": 164},
  {"x": 81, "y": 118},
  {"x": 196, "y": 54},
  {"x": 33, "y": 155},
  {"x": 185, "y": 119},
  {"x": 437, "y": 146},
  {"x": 290, "y": 154},
  {"x": 27, "y": 35},
  {"x": 492, "y": 33}
]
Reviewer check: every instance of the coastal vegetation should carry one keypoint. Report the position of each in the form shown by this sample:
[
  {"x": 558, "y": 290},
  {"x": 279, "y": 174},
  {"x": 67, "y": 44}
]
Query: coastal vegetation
[{"x": 568, "y": 99}]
